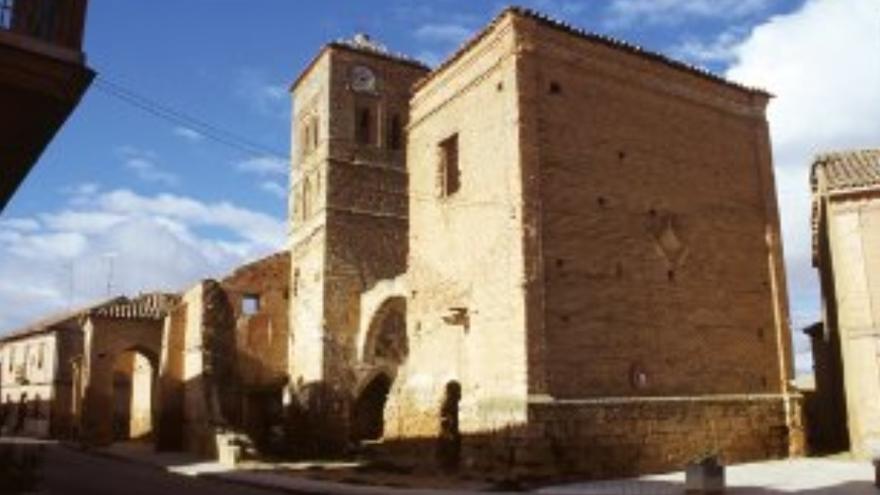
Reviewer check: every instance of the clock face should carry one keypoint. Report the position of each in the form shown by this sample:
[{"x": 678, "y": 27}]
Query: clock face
[{"x": 363, "y": 79}]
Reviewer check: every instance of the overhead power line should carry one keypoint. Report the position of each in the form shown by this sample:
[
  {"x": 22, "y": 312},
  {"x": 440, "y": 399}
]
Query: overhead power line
[{"x": 167, "y": 113}]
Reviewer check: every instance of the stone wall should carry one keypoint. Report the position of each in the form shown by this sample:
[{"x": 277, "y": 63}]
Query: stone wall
[
  {"x": 853, "y": 230},
  {"x": 466, "y": 317},
  {"x": 224, "y": 357},
  {"x": 620, "y": 437},
  {"x": 107, "y": 340},
  {"x": 349, "y": 222}
]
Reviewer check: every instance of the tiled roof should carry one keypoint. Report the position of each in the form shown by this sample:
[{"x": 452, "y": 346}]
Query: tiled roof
[
  {"x": 841, "y": 172},
  {"x": 153, "y": 306},
  {"x": 147, "y": 306},
  {"x": 594, "y": 37},
  {"x": 847, "y": 170},
  {"x": 56, "y": 321}
]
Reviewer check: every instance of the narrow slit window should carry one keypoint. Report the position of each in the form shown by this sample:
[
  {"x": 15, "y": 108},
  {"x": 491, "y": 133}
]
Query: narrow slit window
[
  {"x": 315, "y": 134},
  {"x": 395, "y": 133},
  {"x": 364, "y": 126},
  {"x": 450, "y": 171}
]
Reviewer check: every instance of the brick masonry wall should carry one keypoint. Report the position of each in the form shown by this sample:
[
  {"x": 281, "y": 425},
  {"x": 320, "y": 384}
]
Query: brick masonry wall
[
  {"x": 349, "y": 222},
  {"x": 658, "y": 278}
]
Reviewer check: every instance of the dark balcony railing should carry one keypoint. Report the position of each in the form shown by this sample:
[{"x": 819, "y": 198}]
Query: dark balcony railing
[{"x": 59, "y": 22}]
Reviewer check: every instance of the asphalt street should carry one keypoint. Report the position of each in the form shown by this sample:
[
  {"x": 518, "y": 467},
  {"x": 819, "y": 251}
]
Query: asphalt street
[{"x": 64, "y": 471}]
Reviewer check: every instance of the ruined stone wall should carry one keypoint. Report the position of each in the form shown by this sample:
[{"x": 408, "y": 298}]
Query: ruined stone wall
[
  {"x": 258, "y": 296},
  {"x": 169, "y": 399},
  {"x": 209, "y": 388},
  {"x": 659, "y": 243},
  {"x": 854, "y": 234},
  {"x": 466, "y": 320},
  {"x": 106, "y": 339}
]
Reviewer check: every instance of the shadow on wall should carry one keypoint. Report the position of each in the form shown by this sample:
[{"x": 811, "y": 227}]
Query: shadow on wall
[{"x": 27, "y": 416}]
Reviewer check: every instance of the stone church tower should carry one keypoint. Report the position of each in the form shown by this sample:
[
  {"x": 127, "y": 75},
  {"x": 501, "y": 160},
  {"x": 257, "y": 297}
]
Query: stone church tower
[{"x": 348, "y": 211}]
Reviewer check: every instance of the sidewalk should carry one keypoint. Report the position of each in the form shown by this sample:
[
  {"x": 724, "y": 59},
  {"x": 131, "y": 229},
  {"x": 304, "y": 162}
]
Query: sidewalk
[{"x": 805, "y": 476}]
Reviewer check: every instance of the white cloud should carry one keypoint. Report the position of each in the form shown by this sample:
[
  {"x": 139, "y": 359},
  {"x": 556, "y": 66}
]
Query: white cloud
[
  {"x": 188, "y": 134},
  {"x": 443, "y": 33},
  {"x": 822, "y": 64},
  {"x": 274, "y": 189},
  {"x": 161, "y": 242},
  {"x": 144, "y": 165},
  {"x": 264, "y": 165},
  {"x": 626, "y": 12},
  {"x": 20, "y": 224},
  {"x": 266, "y": 97}
]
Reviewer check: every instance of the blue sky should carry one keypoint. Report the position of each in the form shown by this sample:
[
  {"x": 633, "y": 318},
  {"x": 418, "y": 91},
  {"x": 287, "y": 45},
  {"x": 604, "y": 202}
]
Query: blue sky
[{"x": 161, "y": 206}]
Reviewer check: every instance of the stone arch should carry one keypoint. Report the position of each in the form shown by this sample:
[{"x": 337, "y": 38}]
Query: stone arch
[
  {"x": 383, "y": 347},
  {"x": 107, "y": 340},
  {"x": 385, "y": 295},
  {"x": 134, "y": 394},
  {"x": 386, "y": 343}
]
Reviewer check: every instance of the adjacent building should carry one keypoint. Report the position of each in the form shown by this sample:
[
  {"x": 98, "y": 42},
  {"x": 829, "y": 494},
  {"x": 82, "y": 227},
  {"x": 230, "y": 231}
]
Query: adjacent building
[
  {"x": 43, "y": 75},
  {"x": 36, "y": 387},
  {"x": 846, "y": 251},
  {"x": 76, "y": 374}
]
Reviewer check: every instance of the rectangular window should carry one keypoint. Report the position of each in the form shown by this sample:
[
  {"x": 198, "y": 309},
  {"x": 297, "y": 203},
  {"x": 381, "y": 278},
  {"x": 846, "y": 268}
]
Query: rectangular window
[
  {"x": 449, "y": 170},
  {"x": 250, "y": 304},
  {"x": 364, "y": 125}
]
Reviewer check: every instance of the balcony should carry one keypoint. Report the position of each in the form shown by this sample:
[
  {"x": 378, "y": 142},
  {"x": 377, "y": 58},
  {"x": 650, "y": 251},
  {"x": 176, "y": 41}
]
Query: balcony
[
  {"x": 43, "y": 75},
  {"x": 58, "y": 23}
]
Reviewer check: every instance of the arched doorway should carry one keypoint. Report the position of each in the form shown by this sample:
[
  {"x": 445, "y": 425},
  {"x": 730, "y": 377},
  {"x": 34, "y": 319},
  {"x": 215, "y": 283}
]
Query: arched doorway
[
  {"x": 133, "y": 395},
  {"x": 449, "y": 442},
  {"x": 385, "y": 349},
  {"x": 369, "y": 409}
]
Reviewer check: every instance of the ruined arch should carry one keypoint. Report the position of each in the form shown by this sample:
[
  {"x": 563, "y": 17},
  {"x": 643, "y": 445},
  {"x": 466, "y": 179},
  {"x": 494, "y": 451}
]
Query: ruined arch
[
  {"x": 369, "y": 408},
  {"x": 386, "y": 343},
  {"x": 385, "y": 347},
  {"x": 134, "y": 394}
]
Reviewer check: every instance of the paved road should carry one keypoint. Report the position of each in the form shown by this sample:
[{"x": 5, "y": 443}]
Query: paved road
[{"x": 65, "y": 471}]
